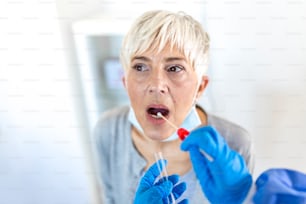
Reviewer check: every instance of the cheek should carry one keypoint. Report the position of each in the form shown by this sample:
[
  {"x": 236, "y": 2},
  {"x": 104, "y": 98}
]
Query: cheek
[
  {"x": 183, "y": 99},
  {"x": 185, "y": 92},
  {"x": 134, "y": 89}
]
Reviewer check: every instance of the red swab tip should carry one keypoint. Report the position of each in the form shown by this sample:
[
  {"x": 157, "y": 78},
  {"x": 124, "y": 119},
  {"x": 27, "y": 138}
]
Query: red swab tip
[{"x": 182, "y": 133}]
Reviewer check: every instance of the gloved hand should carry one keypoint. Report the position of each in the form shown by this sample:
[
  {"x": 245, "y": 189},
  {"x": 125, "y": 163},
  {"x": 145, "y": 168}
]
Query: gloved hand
[
  {"x": 276, "y": 186},
  {"x": 226, "y": 179},
  {"x": 151, "y": 192}
]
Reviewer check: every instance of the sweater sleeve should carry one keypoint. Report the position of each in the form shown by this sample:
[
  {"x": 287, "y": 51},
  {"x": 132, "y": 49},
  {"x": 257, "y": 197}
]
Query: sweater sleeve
[
  {"x": 102, "y": 158},
  {"x": 112, "y": 144}
]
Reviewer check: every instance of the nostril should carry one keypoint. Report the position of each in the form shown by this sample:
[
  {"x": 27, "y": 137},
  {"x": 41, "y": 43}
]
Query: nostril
[{"x": 157, "y": 89}]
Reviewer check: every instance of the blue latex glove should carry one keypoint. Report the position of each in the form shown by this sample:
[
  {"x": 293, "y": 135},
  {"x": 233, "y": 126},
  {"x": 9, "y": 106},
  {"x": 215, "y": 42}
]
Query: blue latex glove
[
  {"x": 276, "y": 186},
  {"x": 226, "y": 179},
  {"x": 151, "y": 192}
]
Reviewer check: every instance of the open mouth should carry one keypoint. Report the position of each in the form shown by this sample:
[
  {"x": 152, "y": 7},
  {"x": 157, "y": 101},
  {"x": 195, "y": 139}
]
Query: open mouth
[{"x": 153, "y": 112}]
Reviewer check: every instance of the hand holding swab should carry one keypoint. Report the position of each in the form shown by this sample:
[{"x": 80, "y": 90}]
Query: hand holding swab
[
  {"x": 183, "y": 133},
  {"x": 163, "y": 173}
]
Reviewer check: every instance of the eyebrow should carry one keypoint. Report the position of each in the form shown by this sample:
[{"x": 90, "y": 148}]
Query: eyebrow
[
  {"x": 168, "y": 59},
  {"x": 141, "y": 58}
]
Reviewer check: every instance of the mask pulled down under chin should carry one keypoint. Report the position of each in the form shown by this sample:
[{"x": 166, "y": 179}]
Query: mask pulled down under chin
[{"x": 191, "y": 121}]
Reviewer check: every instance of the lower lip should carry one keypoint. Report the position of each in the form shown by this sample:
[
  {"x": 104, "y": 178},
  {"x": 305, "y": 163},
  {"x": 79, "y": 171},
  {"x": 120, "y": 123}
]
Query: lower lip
[{"x": 155, "y": 121}]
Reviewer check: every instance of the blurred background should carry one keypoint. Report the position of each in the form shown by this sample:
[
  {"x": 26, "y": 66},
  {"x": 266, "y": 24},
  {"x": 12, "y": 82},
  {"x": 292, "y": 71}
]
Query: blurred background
[{"x": 59, "y": 70}]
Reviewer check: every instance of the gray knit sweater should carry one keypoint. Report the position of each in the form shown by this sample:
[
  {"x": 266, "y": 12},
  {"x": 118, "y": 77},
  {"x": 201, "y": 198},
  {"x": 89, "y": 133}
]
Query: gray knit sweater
[{"x": 121, "y": 166}]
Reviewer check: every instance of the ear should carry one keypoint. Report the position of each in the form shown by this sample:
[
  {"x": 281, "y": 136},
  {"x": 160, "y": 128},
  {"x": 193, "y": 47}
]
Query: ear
[{"x": 202, "y": 86}]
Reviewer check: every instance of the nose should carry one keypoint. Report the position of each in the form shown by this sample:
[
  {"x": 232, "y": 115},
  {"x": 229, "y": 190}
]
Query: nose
[{"x": 157, "y": 84}]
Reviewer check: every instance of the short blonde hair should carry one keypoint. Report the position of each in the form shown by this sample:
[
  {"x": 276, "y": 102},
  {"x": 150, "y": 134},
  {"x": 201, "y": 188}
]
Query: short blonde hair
[{"x": 156, "y": 29}]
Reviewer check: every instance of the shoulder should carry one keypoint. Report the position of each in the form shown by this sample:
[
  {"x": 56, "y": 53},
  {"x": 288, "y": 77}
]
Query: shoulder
[
  {"x": 112, "y": 117},
  {"x": 111, "y": 123},
  {"x": 113, "y": 114},
  {"x": 236, "y": 137},
  {"x": 227, "y": 128}
]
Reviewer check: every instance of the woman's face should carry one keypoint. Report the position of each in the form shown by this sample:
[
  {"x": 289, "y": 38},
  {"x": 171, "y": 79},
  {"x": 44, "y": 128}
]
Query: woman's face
[{"x": 162, "y": 82}]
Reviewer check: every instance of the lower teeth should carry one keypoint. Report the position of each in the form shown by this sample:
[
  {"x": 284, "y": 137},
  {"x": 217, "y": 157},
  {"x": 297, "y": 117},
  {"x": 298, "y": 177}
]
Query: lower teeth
[{"x": 155, "y": 116}]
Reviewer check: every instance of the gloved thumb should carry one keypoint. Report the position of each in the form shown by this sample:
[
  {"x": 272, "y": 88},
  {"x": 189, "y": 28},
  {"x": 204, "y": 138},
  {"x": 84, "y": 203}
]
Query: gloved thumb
[{"x": 205, "y": 138}]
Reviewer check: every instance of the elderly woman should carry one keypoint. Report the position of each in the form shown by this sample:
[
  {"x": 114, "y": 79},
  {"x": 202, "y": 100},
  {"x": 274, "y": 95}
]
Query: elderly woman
[{"x": 165, "y": 59}]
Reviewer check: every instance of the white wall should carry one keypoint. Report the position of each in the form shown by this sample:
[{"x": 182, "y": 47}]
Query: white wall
[
  {"x": 42, "y": 156},
  {"x": 259, "y": 75}
]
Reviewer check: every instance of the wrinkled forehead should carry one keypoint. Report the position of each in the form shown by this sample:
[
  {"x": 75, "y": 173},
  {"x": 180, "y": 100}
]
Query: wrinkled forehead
[
  {"x": 168, "y": 52},
  {"x": 156, "y": 52}
]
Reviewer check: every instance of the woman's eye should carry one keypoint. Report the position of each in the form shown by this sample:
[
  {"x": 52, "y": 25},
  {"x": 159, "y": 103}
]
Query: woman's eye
[
  {"x": 175, "y": 68},
  {"x": 140, "y": 67}
]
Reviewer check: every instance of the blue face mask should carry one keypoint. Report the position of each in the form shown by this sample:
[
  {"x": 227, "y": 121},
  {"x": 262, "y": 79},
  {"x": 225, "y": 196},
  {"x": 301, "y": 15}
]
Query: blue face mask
[{"x": 191, "y": 121}]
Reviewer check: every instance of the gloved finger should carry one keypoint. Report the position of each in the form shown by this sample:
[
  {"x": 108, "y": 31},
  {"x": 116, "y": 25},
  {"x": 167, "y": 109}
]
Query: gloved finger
[
  {"x": 152, "y": 173},
  {"x": 185, "y": 201},
  {"x": 157, "y": 193},
  {"x": 174, "y": 178},
  {"x": 179, "y": 189},
  {"x": 293, "y": 199},
  {"x": 283, "y": 178},
  {"x": 280, "y": 186},
  {"x": 205, "y": 138},
  {"x": 200, "y": 165}
]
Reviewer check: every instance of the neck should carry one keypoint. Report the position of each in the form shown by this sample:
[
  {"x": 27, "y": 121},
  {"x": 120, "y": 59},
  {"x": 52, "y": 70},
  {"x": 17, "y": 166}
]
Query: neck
[
  {"x": 170, "y": 151},
  {"x": 178, "y": 161}
]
